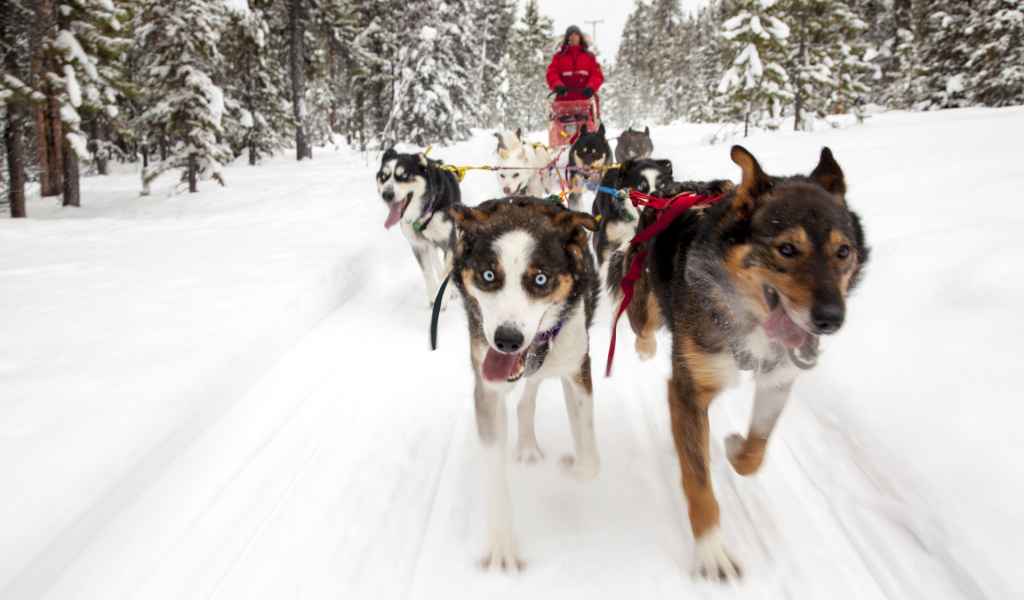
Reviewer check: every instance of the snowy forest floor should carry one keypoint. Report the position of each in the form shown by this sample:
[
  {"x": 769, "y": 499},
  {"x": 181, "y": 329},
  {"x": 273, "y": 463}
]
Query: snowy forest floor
[{"x": 230, "y": 394}]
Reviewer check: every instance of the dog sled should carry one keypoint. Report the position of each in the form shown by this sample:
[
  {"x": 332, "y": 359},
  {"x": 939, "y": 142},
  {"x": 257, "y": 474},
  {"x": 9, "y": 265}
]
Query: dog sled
[{"x": 567, "y": 117}]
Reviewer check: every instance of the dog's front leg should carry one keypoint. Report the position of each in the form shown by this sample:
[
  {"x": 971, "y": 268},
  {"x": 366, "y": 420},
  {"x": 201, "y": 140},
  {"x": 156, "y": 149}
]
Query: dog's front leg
[
  {"x": 426, "y": 260},
  {"x": 492, "y": 426},
  {"x": 579, "y": 403},
  {"x": 746, "y": 454},
  {"x": 695, "y": 383},
  {"x": 527, "y": 449}
]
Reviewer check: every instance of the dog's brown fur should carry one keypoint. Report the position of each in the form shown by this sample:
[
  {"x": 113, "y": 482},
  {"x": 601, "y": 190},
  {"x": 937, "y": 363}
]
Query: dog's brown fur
[{"x": 712, "y": 272}]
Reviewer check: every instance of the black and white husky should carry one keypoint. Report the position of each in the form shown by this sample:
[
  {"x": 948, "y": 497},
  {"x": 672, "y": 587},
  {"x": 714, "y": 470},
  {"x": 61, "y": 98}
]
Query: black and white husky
[
  {"x": 418, "y": 193},
  {"x": 529, "y": 286}
]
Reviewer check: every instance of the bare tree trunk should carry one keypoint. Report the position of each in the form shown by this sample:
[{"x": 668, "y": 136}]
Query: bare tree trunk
[
  {"x": 297, "y": 29},
  {"x": 14, "y": 142},
  {"x": 72, "y": 193},
  {"x": 799, "y": 104},
  {"x": 145, "y": 155},
  {"x": 193, "y": 167},
  {"x": 252, "y": 152},
  {"x": 99, "y": 135},
  {"x": 48, "y": 129}
]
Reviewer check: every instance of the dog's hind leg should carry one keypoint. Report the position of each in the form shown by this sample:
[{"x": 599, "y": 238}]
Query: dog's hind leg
[
  {"x": 579, "y": 402},
  {"x": 696, "y": 380},
  {"x": 527, "y": 449},
  {"x": 423, "y": 256},
  {"x": 492, "y": 426},
  {"x": 643, "y": 311},
  {"x": 746, "y": 454}
]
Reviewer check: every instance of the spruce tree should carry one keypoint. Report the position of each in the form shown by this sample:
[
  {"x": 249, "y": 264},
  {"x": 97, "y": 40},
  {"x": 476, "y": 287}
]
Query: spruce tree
[
  {"x": 433, "y": 102},
  {"x": 995, "y": 67},
  {"x": 824, "y": 58},
  {"x": 630, "y": 78},
  {"x": 756, "y": 87},
  {"x": 493, "y": 23},
  {"x": 531, "y": 46},
  {"x": 943, "y": 49},
  {"x": 181, "y": 44},
  {"x": 255, "y": 86}
]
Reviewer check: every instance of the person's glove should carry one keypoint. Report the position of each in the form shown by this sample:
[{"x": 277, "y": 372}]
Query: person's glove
[
  {"x": 588, "y": 92},
  {"x": 560, "y": 90}
]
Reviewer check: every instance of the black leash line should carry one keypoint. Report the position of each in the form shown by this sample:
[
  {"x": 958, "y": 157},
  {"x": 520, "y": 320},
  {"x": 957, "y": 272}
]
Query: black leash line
[{"x": 436, "y": 313}]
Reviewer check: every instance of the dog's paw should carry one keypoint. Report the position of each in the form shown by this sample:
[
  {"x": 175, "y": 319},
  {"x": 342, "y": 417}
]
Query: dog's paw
[
  {"x": 502, "y": 554},
  {"x": 745, "y": 456},
  {"x": 711, "y": 558},
  {"x": 529, "y": 453},
  {"x": 584, "y": 470},
  {"x": 646, "y": 349}
]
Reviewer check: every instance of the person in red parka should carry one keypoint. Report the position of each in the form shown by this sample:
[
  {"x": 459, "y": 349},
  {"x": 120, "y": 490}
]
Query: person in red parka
[{"x": 574, "y": 67}]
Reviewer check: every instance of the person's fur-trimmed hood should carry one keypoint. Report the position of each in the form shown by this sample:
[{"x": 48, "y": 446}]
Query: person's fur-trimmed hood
[{"x": 585, "y": 41}]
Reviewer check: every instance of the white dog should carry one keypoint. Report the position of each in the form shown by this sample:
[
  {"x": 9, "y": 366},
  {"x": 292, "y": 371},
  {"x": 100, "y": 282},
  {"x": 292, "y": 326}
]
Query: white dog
[{"x": 522, "y": 162}]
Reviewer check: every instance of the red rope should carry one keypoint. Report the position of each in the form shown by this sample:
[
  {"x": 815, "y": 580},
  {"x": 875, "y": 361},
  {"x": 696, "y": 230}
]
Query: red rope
[{"x": 670, "y": 209}]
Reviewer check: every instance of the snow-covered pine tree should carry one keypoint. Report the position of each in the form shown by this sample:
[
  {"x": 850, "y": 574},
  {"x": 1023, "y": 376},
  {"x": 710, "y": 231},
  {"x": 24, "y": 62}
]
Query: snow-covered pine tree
[
  {"x": 627, "y": 96},
  {"x": 900, "y": 61},
  {"x": 880, "y": 40},
  {"x": 669, "y": 73},
  {"x": 16, "y": 18},
  {"x": 756, "y": 87},
  {"x": 995, "y": 67},
  {"x": 493, "y": 22},
  {"x": 704, "y": 58},
  {"x": 255, "y": 87},
  {"x": 943, "y": 49},
  {"x": 824, "y": 58},
  {"x": 371, "y": 89},
  {"x": 88, "y": 48},
  {"x": 525, "y": 66},
  {"x": 181, "y": 39},
  {"x": 433, "y": 100}
]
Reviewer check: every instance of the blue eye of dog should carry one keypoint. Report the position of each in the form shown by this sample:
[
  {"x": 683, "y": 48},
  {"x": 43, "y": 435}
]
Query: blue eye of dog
[
  {"x": 787, "y": 250},
  {"x": 488, "y": 275},
  {"x": 844, "y": 251},
  {"x": 402, "y": 177},
  {"x": 661, "y": 185},
  {"x": 540, "y": 279}
]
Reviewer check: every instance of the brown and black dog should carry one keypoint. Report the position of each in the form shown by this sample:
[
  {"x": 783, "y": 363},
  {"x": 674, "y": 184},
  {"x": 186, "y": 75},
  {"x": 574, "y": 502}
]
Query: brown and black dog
[{"x": 747, "y": 283}]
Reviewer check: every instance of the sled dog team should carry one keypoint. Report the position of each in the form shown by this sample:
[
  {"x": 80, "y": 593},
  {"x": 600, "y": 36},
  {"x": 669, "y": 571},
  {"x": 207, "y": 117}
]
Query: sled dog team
[{"x": 745, "y": 281}]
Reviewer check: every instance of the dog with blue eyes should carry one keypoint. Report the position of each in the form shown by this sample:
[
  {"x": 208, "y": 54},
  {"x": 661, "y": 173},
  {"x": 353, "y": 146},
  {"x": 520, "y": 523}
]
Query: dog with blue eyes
[
  {"x": 529, "y": 285},
  {"x": 418, "y": 192}
]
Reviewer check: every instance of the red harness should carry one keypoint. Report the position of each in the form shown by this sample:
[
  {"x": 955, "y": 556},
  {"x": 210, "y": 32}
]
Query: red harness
[{"x": 670, "y": 209}]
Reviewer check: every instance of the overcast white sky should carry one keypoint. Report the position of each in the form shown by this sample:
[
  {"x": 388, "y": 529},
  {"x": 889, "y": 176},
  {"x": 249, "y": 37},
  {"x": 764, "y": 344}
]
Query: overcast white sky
[{"x": 612, "y": 12}]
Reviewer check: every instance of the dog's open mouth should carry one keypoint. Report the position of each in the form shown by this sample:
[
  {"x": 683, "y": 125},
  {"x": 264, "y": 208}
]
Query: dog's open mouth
[
  {"x": 499, "y": 366},
  {"x": 397, "y": 209},
  {"x": 779, "y": 326}
]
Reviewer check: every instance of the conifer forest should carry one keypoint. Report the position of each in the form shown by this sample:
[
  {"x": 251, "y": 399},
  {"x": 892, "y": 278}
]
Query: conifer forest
[{"x": 191, "y": 85}]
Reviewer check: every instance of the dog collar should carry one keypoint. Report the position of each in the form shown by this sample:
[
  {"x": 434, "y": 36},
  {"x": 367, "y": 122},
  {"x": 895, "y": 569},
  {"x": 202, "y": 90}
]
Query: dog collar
[
  {"x": 550, "y": 334},
  {"x": 420, "y": 223}
]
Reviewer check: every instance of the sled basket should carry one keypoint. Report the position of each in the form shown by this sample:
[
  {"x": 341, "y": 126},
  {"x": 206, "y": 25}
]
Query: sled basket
[{"x": 566, "y": 117}]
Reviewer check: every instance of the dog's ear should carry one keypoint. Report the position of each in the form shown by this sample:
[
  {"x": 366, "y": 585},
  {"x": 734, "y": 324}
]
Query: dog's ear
[
  {"x": 665, "y": 164},
  {"x": 423, "y": 159},
  {"x": 583, "y": 131},
  {"x": 647, "y": 131},
  {"x": 503, "y": 153},
  {"x": 519, "y": 134},
  {"x": 388, "y": 155},
  {"x": 600, "y": 130},
  {"x": 755, "y": 182},
  {"x": 465, "y": 217},
  {"x": 521, "y": 151},
  {"x": 572, "y": 226},
  {"x": 501, "y": 140},
  {"x": 828, "y": 175}
]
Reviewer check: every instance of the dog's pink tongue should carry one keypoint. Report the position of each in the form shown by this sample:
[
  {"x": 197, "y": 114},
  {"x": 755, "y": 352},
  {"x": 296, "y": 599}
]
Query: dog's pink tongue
[
  {"x": 781, "y": 328},
  {"x": 394, "y": 215},
  {"x": 498, "y": 366}
]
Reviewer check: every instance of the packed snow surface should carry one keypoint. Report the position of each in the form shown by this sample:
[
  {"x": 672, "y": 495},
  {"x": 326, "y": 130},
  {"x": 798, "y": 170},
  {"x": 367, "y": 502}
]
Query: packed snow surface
[{"x": 230, "y": 394}]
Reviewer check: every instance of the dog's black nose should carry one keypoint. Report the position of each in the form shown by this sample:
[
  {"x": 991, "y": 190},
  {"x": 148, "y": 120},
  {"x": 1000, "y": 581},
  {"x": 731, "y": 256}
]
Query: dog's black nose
[
  {"x": 827, "y": 318},
  {"x": 388, "y": 196},
  {"x": 508, "y": 339}
]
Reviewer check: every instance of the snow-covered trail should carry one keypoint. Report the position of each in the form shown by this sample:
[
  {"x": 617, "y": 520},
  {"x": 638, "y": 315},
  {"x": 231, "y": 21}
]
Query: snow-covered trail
[{"x": 344, "y": 462}]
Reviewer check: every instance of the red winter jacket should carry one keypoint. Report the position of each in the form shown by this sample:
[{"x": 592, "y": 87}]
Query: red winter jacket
[{"x": 574, "y": 67}]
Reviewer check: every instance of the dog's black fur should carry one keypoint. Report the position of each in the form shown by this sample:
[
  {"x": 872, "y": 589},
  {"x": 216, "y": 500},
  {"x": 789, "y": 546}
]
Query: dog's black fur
[
  {"x": 617, "y": 217},
  {"x": 591, "y": 149}
]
